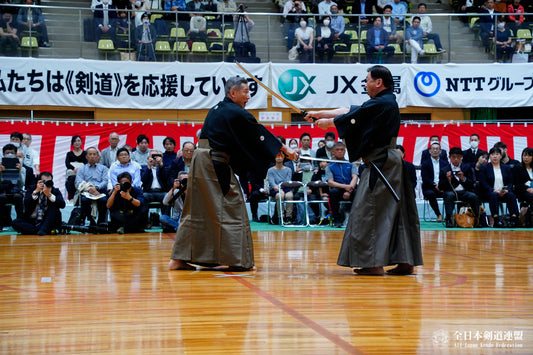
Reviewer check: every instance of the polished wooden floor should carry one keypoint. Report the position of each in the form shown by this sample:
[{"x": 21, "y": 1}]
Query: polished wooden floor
[{"x": 112, "y": 294}]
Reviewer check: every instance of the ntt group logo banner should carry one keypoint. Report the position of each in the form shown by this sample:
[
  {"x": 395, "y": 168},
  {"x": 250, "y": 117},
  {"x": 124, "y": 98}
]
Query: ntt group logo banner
[
  {"x": 427, "y": 83},
  {"x": 294, "y": 85}
]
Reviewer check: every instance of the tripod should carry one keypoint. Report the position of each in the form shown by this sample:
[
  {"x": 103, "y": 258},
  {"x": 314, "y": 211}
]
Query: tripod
[{"x": 243, "y": 47}]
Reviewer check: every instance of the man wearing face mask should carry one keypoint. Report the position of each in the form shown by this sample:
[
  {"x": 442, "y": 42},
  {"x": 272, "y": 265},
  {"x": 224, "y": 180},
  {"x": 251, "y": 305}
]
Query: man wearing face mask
[
  {"x": 471, "y": 155},
  {"x": 145, "y": 35},
  {"x": 326, "y": 151},
  {"x": 42, "y": 205},
  {"x": 338, "y": 24},
  {"x": 12, "y": 179}
]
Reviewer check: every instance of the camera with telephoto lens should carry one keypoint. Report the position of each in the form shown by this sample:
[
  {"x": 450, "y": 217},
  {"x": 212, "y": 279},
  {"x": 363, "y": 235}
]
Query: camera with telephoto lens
[
  {"x": 49, "y": 183},
  {"x": 125, "y": 186},
  {"x": 242, "y": 8},
  {"x": 67, "y": 228},
  {"x": 183, "y": 183}
]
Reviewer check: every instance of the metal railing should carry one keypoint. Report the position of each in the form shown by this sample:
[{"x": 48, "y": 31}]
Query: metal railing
[{"x": 463, "y": 43}]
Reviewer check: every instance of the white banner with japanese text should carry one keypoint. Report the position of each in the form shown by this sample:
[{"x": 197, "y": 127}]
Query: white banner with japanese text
[
  {"x": 128, "y": 85},
  {"x": 429, "y": 85}
]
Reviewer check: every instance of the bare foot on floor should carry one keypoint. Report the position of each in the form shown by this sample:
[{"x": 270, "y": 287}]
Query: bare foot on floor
[
  {"x": 176, "y": 264},
  {"x": 370, "y": 271},
  {"x": 402, "y": 269}
]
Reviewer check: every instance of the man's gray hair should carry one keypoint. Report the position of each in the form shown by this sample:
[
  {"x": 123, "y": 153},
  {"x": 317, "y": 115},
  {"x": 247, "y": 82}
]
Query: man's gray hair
[
  {"x": 97, "y": 151},
  {"x": 233, "y": 82}
]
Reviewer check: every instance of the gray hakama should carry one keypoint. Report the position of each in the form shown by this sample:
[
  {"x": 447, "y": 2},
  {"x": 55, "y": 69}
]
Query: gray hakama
[{"x": 214, "y": 228}]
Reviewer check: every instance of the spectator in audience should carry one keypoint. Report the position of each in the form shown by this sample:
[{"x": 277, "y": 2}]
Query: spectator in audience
[
  {"x": 292, "y": 164},
  {"x": 183, "y": 163},
  {"x": 197, "y": 28},
  {"x": 471, "y": 155},
  {"x": 172, "y": 12},
  {"x": 291, "y": 23},
  {"x": 496, "y": 182},
  {"x": 124, "y": 164},
  {"x": 426, "y": 154},
  {"x": 413, "y": 36},
  {"x": 506, "y": 159},
  {"x": 305, "y": 141},
  {"x": 524, "y": 186},
  {"x": 91, "y": 183},
  {"x": 363, "y": 8},
  {"x": 327, "y": 150},
  {"x": 516, "y": 22},
  {"x": 324, "y": 40},
  {"x": 9, "y": 9},
  {"x": 399, "y": 9},
  {"x": 322, "y": 143},
  {"x": 9, "y": 40},
  {"x": 389, "y": 25},
  {"x": 411, "y": 169},
  {"x": 457, "y": 182},
  {"x": 338, "y": 25},
  {"x": 430, "y": 171},
  {"x": 482, "y": 160},
  {"x": 304, "y": 36},
  {"x": 503, "y": 40},
  {"x": 342, "y": 180},
  {"x": 175, "y": 198},
  {"x": 241, "y": 42},
  {"x": 145, "y": 36},
  {"x": 468, "y": 6},
  {"x": 324, "y": 7},
  {"x": 169, "y": 155},
  {"x": 305, "y": 174},
  {"x": 486, "y": 23},
  {"x": 141, "y": 8},
  {"x": 277, "y": 175},
  {"x": 258, "y": 193},
  {"x": 12, "y": 180},
  {"x": 109, "y": 154},
  {"x": 427, "y": 26},
  {"x": 32, "y": 19},
  {"x": 126, "y": 206},
  {"x": 291, "y": 5},
  {"x": 95, "y": 3},
  {"x": 105, "y": 16},
  {"x": 42, "y": 205},
  {"x": 196, "y": 6},
  {"x": 16, "y": 139},
  {"x": 31, "y": 156},
  {"x": 154, "y": 179},
  {"x": 74, "y": 160},
  {"x": 378, "y": 42},
  {"x": 141, "y": 152},
  {"x": 226, "y": 6}
]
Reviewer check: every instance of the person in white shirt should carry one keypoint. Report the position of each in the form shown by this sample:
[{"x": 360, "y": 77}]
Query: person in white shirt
[
  {"x": 31, "y": 157},
  {"x": 427, "y": 26}
]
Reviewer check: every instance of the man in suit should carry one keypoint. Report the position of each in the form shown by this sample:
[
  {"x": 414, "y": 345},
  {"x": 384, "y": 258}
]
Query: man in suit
[
  {"x": 154, "y": 180},
  {"x": 486, "y": 22},
  {"x": 426, "y": 155},
  {"x": 364, "y": 7},
  {"x": 431, "y": 170},
  {"x": 471, "y": 155},
  {"x": 378, "y": 41},
  {"x": 105, "y": 16},
  {"x": 457, "y": 182},
  {"x": 42, "y": 205}
]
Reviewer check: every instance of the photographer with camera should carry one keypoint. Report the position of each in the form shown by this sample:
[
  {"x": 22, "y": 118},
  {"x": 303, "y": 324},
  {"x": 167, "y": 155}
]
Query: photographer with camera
[
  {"x": 175, "y": 198},
  {"x": 126, "y": 206},
  {"x": 458, "y": 185},
  {"x": 12, "y": 180},
  {"x": 42, "y": 203},
  {"x": 244, "y": 49}
]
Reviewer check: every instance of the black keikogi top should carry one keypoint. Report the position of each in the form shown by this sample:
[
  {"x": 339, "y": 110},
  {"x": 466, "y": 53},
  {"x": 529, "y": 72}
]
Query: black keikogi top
[{"x": 233, "y": 130}]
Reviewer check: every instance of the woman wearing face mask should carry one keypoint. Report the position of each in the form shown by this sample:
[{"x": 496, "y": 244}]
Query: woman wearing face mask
[
  {"x": 324, "y": 40},
  {"x": 293, "y": 164},
  {"x": 304, "y": 36},
  {"x": 141, "y": 6},
  {"x": 503, "y": 40},
  {"x": 145, "y": 36}
]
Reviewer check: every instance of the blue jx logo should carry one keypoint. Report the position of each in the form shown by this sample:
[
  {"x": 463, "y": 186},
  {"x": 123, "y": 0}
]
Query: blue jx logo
[{"x": 427, "y": 84}]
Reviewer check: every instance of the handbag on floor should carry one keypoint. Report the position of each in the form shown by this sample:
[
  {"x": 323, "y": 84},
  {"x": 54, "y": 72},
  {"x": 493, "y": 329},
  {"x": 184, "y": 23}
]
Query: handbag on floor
[{"x": 465, "y": 218}]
